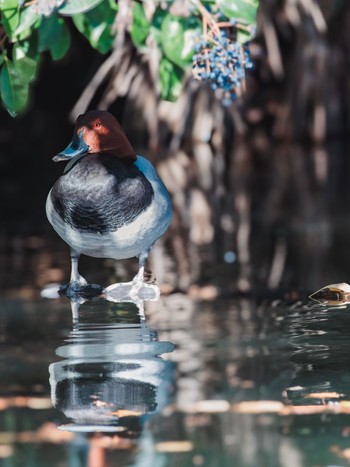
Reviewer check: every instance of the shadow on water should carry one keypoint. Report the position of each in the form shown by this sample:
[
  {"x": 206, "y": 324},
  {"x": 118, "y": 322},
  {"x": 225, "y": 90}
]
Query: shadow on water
[{"x": 228, "y": 382}]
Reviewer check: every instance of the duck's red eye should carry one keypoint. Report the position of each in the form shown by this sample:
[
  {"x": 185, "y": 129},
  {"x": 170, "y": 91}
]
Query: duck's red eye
[{"x": 97, "y": 125}]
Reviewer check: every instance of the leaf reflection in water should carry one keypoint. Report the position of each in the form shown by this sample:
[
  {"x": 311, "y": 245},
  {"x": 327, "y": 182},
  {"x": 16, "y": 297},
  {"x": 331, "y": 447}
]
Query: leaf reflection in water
[{"x": 111, "y": 376}]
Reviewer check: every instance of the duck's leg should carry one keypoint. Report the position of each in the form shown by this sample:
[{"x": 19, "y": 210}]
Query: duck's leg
[
  {"x": 142, "y": 260},
  {"x": 138, "y": 280},
  {"x": 78, "y": 285},
  {"x": 75, "y": 277},
  {"x": 140, "y": 275},
  {"x": 77, "y": 282}
]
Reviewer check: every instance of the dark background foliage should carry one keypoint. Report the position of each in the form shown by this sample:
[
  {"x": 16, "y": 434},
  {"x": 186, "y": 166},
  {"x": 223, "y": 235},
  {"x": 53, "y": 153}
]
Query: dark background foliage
[{"x": 275, "y": 189}]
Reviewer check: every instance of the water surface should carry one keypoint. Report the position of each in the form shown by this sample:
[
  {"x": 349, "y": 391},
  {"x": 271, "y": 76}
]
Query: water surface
[{"x": 219, "y": 383}]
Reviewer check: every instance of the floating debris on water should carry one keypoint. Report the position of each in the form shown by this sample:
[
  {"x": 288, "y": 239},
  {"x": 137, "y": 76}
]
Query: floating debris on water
[{"x": 333, "y": 295}]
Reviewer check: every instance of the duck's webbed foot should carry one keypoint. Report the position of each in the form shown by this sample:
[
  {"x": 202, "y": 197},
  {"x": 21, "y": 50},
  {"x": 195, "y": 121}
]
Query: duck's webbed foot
[
  {"x": 136, "y": 290},
  {"x": 82, "y": 288}
]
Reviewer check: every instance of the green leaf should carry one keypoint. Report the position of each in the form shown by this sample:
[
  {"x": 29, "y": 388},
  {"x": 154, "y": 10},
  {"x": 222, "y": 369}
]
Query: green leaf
[
  {"x": 73, "y": 7},
  {"x": 101, "y": 38},
  {"x": 54, "y": 36},
  {"x": 14, "y": 93},
  {"x": 178, "y": 38},
  {"x": 10, "y": 16},
  {"x": 156, "y": 25},
  {"x": 96, "y": 26},
  {"x": 170, "y": 80},
  {"x": 28, "y": 17},
  {"x": 140, "y": 25},
  {"x": 25, "y": 61},
  {"x": 80, "y": 23},
  {"x": 243, "y": 36},
  {"x": 244, "y": 10}
]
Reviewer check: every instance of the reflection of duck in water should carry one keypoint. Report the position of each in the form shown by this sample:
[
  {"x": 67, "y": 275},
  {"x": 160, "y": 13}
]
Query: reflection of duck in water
[{"x": 112, "y": 373}]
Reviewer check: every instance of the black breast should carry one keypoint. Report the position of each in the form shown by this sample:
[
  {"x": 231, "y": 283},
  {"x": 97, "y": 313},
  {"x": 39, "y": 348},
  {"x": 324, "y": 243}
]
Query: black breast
[{"x": 101, "y": 194}]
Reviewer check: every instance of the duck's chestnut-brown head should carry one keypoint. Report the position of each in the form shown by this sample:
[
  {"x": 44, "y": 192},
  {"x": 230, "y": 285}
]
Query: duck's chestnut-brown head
[{"x": 98, "y": 132}]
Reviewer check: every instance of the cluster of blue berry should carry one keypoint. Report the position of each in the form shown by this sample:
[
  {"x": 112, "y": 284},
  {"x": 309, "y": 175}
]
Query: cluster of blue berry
[{"x": 222, "y": 63}]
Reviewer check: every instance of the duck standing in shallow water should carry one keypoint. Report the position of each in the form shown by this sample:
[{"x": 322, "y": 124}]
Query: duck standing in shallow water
[{"x": 109, "y": 202}]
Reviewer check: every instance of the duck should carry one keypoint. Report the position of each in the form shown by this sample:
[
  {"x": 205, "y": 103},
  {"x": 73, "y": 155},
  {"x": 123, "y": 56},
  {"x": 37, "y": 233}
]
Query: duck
[{"x": 109, "y": 202}]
